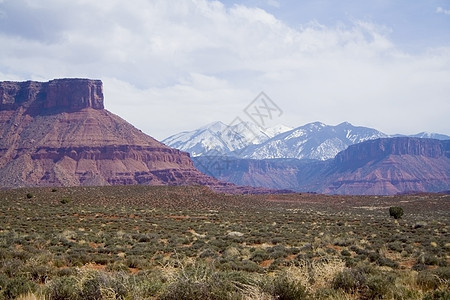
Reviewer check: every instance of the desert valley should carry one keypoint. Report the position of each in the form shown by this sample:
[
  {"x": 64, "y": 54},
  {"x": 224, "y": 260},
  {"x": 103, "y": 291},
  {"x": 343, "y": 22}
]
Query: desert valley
[{"x": 93, "y": 208}]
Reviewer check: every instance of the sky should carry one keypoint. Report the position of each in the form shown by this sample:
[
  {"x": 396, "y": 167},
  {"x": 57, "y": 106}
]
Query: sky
[{"x": 172, "y": 66}]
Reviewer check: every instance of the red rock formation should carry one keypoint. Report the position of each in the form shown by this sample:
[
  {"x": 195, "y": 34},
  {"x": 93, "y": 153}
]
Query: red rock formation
[
  {"x": 384, "y": 166},
  {"x": 362, "y": 153},
  {"x": 390, "y": 166},
  {"x": 53, "y": 96},
  {"x": 58, "y": 134}
]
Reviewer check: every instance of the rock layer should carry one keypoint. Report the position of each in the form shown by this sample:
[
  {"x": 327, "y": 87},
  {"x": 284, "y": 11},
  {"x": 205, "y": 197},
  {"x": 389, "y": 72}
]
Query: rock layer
[
  {"x": 384, "y": 166},
  {"x": 390, "y": 166},
  {"x": 53, "y": 96},
  {"x": 57, "y": 133}
]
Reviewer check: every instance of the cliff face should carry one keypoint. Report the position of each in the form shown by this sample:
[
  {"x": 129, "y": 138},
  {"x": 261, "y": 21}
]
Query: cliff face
[
  {"x": 360, "y": 154},
  {"x": 53, "y": 96},
  {"x": 384, "y": 166},
  {"x": 58, "y": 133},
  {"x": 390, "y": 166}
]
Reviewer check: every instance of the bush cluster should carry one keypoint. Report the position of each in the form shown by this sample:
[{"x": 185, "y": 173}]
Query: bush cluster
[{"x": 396, "y": 212}]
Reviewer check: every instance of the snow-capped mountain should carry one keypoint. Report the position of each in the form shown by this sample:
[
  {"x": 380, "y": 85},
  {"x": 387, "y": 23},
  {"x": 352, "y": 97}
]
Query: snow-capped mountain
[
  {"x": 312, "y": 141},
  {"x": 431, "y": 135},
  {"x": 218, "y": 138},
  {"x": 385, "y": 166},
  {"x": 246, "y": 140}
]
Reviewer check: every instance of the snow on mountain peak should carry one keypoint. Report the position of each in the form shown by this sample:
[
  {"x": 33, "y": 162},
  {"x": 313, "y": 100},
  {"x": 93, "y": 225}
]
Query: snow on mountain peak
[
  {"x": 312, "y": 141},
  {"x": 247, "y": 140},
  {"x": 222, "y": 138},
  {"x": 277, "y": 129}
]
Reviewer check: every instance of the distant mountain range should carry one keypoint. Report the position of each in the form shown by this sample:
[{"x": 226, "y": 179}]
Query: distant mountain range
[
  {"x": 246, "y": 140},
  {"x": 383, "y": 166},
  {"x": 58, "y": 133},
  {"x": 341, "y": 159},
  {"x": 222, "y": 139}
]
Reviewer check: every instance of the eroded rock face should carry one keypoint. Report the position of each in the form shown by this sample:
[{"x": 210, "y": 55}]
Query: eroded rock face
[
  {"x": 377, "y": 167},
  {"x": 58, "y": 134},
  {"x": 360, "y": 154},
  {"x": 53, "y": 96},
  {"x": 391, "y": 166}
]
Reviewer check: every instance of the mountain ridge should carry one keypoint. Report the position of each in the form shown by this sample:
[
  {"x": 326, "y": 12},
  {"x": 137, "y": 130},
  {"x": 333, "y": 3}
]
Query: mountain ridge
[
  {"x": 314, "y": 140},
  {"x": 382, "y": 166},
  {"x": 218, "y": 137}
]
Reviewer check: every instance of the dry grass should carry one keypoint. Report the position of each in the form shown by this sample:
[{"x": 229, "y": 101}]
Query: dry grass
[
  {"x": 30, "y": 296},
  {"x": 170, "y": 234}
]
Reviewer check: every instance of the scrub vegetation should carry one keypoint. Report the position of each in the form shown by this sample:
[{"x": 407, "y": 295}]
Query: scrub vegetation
[{"x": 140, "y": 242}]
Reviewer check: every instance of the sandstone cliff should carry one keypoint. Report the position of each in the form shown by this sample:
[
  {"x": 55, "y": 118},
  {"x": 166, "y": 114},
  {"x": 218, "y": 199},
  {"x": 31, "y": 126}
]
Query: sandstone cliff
[
  {"x": 384, "y": 166},
  {"x": 53, "y": 96},
  {"x": 58, "y": 133},
  {"x": 390, "y": 166}
]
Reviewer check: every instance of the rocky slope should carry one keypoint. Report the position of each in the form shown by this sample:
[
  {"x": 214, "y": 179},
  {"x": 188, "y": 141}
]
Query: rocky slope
[
  {"x": 246, "y": 140},
  {"x": 312, "y": 141},
  {"x": 219, "y": 138},
  {"x": 58, "y": 133},
  {"x": 390, "y": 166},
  {"x": 383, "y": 166},
  {"x": 290, "y": 174}
]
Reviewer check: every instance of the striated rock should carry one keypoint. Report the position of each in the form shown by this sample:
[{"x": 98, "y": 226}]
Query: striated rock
[
  {"x": 51, "y": 97},
  {"x": 384, "y": 166},
  {"x": 281, "y": 174},
  {"x": 390, "y": 166},
  {"x": 360, "y": 154},
  {"x": 58, "y": 134}
]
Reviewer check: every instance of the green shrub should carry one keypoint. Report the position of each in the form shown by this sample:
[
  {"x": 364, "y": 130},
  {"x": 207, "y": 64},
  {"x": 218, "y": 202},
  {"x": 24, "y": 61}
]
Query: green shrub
[
  {"x": 349, "y": 280},
  {"x": 437, "y": 295},
  {"x": 433, "y": 279},
  {"x": 18, "y": 286},
  {"x": 186, "y": 290},
  {"x": 63, "y": 288},
  {"x": 29, "y": 196},
  {"x": 208, "y": 253},
  {"x": 136, "y": 263},
  {"x": 277, "y": 251},
  {"x": 395, "y": 246},
  {"x": 91, "y": 288},
  {"x": 285, "y": 288},
  {"x": 4, "y": 254},
  {"x": 148, "y": 284},
  {"x": 247, "y": 266},
  {"x": 40, "y": 273},
  {"x": 12, "y": 267},
  {"x": 64, "y": 200},
  {"x": 430, "y": 259},
  {"x": 381, "y": 260},
  {"x": 396, "y": 212},
  {"x": 65, "y": 272},
  {"x": 3, "y": 282},
  {"x": 259, "y": 255},
  {"x": 328, "y": 293},
  {"x": 117, "y": 267},
  {"x": 380, "y": 286},
  {"x": 205, "y": 282}
]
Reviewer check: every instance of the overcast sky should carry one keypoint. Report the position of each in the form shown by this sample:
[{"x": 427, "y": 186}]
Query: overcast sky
[{"x": 174, "y": 65}]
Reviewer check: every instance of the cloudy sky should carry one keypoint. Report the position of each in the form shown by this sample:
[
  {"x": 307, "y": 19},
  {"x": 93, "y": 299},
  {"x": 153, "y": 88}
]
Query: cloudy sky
[{"x": 170, "y": 66}]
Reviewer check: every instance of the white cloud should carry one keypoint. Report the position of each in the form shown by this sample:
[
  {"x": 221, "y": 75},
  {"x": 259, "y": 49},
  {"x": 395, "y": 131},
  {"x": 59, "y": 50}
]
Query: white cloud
[
  {"x": 173, "y": 66},
  {"x": 441, "y": 10}
]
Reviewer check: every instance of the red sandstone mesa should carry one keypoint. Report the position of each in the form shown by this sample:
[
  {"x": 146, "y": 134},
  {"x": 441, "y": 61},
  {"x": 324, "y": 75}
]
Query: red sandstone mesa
[{"x": 58, "y": 133}]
